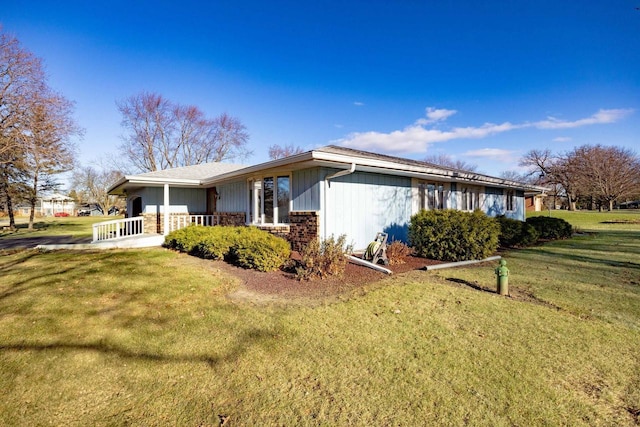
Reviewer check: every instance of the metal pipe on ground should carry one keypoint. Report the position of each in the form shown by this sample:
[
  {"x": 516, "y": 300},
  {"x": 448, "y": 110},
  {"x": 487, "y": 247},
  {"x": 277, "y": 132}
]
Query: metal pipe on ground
[
  {"x": 461, "y": 263},
  {"x": 364, "y": 263}
]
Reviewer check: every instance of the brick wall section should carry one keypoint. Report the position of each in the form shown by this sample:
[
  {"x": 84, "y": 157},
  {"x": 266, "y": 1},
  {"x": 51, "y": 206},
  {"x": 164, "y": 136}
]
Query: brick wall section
[
  {"x": 304, "y": 226},
  {"x": 276, "y": 230},
  {"x": 152, "y": 223},
  {"x": 232, "y": 218}
]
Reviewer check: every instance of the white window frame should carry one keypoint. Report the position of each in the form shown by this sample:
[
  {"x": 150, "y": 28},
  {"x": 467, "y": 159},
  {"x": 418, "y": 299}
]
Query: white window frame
[
  {"x": 469, "y": 198},
  {"x": 439, "y": 198},
  {"x": 256, "y": 186}
]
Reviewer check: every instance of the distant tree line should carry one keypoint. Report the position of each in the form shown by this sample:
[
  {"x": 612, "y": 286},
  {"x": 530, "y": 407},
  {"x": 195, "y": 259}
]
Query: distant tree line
[{"x": 589, "y": 176}]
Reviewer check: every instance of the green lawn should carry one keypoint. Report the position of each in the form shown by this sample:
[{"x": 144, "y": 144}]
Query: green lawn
[
  {"x": 622, "y": 219},
  {"x": 53, "y": 226},
  {"x": 148, "y": 337}
]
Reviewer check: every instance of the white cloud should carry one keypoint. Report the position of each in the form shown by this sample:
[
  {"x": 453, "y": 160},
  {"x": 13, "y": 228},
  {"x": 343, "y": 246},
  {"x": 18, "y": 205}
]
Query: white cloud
[
  {"x": 492, "y": 153},
  {"x": 418, "y": 136},
  {"x": 601, "y": 117},
  {"x": 358, "y": 103},
  {"x": 435, "y": 115},
  {"x": 562, "y": 139}
]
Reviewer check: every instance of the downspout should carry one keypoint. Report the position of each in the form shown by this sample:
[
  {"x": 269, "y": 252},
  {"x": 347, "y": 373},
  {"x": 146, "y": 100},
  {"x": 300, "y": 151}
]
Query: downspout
[
  {"x": 338, "y": 174},
  {"x": 342, "y": 173}
]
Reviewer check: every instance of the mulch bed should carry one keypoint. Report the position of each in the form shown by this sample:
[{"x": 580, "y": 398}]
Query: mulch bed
[{"x": 282, "y": 284}]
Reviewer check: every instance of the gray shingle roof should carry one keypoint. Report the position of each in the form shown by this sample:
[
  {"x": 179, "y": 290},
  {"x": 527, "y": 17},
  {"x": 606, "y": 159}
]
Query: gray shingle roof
[
  {"x": 369, "y": 155},
  {"x": 202, "y": 171}
]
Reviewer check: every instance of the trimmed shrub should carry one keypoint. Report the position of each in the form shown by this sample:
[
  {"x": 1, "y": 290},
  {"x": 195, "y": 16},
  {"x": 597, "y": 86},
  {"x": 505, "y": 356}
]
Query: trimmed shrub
[
  {"x": 452, "y": 235},
  {"x": 551, "y": 228},
  {"x": 187, "y": 238},
  {"x": 216, "y": 244},
  {"x": 514, "y": 233},
  {"x": 397, "y": 251},
  {"x": 247, "y": 247},
  {"x": 258, "y": 249},
  {"x": 322, "y": 259}
]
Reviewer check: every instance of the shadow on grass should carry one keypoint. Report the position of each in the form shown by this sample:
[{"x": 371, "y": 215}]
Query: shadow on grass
[
  {"x": 471, "y": 285},
  {"x": 56, "y": 286},
  {"x": 53, "y": 272},
  {"x": 245, "y": 341},
  {"x": 588, "y": 259}
]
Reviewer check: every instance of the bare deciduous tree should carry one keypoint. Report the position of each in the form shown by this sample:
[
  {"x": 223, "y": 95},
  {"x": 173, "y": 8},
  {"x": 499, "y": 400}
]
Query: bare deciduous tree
[
  {"x": 609, "y": 174},
  {"x": 48, "y": 149},
  {"x": 554, "y": 170},
  {"x": 91, "y": 185},
  {"x": 162, "y": 134},
  {"x": 278, "y": 152},
  {"x": 35, "y": 126},
  {"x": 604, "y": 175},
  {"x": 21, "y": 79}
]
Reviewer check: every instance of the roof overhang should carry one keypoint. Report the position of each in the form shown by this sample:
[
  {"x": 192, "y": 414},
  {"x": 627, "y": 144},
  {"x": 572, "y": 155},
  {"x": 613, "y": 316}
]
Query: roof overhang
[
  {"x": 320, "y": 158},
  {"x": 366, "y": 164},
  {"x": 130, "y": 182}
]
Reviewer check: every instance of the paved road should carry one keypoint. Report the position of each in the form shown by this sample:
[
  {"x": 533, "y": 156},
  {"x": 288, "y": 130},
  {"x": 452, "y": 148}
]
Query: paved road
[{"x": 32, "y": 242}]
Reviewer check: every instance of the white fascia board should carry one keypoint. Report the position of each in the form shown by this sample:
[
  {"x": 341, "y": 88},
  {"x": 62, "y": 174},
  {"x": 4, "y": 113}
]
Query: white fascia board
[
  {"x": 273, "y": 164},
  {"x": 138, "y": 180},
  {"x": 162, "y": 181},
  {"x": 374, "y": 165}
]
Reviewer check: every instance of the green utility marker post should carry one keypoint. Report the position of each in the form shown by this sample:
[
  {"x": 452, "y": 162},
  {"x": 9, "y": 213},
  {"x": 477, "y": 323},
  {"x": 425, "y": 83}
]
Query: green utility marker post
[{"x": 502, "y": 276}]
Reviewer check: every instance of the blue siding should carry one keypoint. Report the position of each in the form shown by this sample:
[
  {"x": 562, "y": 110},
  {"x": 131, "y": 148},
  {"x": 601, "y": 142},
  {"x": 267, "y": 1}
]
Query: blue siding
[
  {"x": 494, "y": 202},
  {"x": 305, "y": 189},
  {"x": 181, "y": 200},
  {"x": 519, "y": 213},
  {"x": 361, "y": 204},
  {"x": 233, "y": 197}
]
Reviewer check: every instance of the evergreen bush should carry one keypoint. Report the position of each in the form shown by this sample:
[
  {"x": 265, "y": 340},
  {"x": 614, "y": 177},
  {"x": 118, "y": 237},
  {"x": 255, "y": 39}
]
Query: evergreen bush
[
  {"x": 248, "y": 247},
  {"x": 258, "y": 249},
  {"x": 187, "y": 238},
  {"x": 453, "y": 235},
  {"x": 551, "y": 228},
  {"x": 514, "y": 233}
]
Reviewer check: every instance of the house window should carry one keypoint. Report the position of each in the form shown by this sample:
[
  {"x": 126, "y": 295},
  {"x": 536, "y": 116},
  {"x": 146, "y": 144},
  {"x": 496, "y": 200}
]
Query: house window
[
  {"x": 511, "y": 200},
  {"x": 470, "y": 199},
  {"x": 269, "y": 200},
  {"x": 283, "y": 199},
  {"x": 431, "y": 196}
]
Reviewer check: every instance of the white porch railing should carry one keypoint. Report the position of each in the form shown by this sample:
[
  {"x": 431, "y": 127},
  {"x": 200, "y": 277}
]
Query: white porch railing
[
  {"x": 117, "y": 228},
  {"x": 178, "y": 221}
]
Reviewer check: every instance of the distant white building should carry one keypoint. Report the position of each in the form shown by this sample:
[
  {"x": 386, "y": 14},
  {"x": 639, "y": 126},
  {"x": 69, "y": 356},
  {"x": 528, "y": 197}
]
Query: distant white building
[{"x": 56, "y": 203}]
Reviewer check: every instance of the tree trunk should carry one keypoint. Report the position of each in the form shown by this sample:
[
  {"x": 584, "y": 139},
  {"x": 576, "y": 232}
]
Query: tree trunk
[
  {"x": 610, "y": 205},
  {"x": 32, "y": 201},
  {"x": 8, "y": 204},
  {"x": 12, "y": 217}
]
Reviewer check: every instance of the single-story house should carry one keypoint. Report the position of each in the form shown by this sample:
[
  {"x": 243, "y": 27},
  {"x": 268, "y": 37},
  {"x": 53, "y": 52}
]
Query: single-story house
[{"x": 326, "y": 191}]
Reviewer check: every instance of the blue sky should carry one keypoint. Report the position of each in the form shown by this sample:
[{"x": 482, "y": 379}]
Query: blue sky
[{"x": 483, "y": 82}]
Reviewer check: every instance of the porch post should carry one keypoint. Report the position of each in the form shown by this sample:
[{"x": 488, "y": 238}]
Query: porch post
[{"x": 166, "y": 210}]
